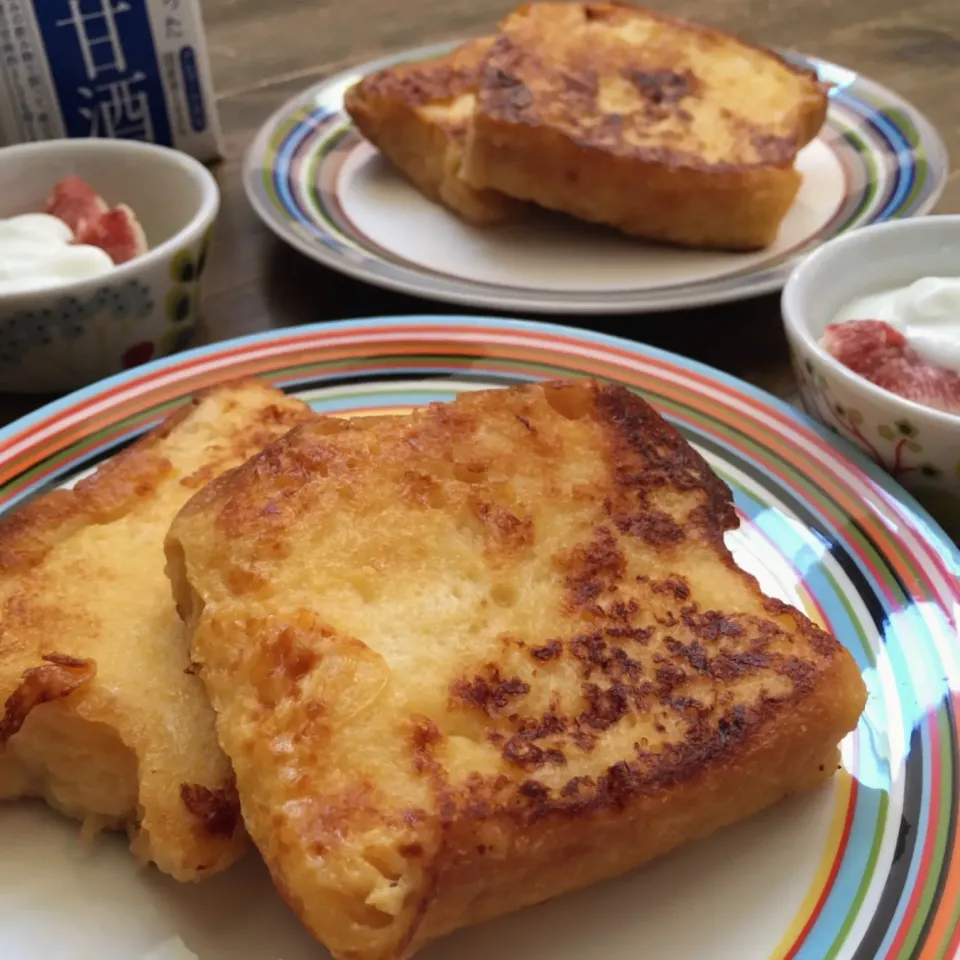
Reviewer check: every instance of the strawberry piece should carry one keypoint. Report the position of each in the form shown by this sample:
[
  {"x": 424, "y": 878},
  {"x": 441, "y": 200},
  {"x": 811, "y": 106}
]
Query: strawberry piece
[
  {"x": 76, "y": 203},
  {"x": 881, "y": 354},
  {"x": 118, "y": 232},
  {"x": 86, "y": 213}
]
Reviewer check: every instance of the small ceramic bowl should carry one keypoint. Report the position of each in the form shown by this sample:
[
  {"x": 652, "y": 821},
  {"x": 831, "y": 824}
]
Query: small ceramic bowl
[
  {"x": 918, "y": 445},
  {"x": 62, "y": 337}
]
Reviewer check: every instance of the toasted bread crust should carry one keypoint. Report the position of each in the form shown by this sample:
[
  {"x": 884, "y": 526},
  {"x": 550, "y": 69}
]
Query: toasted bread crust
[
  {"x": 622, "y": 116},
  {"x": 472, "y": 658},
  {"x": 417, "y": 115},
  {"x": 99, "y": 714},
  {"x": 427, "y": 82}
]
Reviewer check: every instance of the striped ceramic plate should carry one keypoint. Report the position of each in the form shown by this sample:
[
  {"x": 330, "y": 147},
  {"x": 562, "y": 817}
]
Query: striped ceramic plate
[
  {"x": 866, "y": 868},
  {"x": 320, "y": 187}
]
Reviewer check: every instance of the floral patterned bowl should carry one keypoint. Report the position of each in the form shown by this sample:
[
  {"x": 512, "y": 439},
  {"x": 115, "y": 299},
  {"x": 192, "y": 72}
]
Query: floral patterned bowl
[
  {"x": 919, "y": 445},
  {"x": 66, "y": 336}
]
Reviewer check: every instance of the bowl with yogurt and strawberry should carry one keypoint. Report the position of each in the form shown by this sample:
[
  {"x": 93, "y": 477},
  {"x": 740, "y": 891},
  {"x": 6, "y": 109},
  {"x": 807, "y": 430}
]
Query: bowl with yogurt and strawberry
[
  {"x": 103, "y": 245},
  {"x": 873, "y": 323}
]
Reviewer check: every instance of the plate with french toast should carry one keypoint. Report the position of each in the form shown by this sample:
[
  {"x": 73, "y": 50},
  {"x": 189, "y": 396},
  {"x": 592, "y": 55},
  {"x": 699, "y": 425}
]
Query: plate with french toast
[
  {"x": 454, "y": 637},
  {"x": 588, "y": 158}
]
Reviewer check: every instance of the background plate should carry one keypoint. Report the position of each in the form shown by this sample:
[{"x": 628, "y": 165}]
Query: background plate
[
  {"x": 323, "y": 189},
  {"x": 865, "y": 868}
]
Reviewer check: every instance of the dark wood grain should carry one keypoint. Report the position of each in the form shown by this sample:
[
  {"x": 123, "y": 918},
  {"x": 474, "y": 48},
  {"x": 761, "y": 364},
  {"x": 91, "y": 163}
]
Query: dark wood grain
[{"x": 263, "y": 53}]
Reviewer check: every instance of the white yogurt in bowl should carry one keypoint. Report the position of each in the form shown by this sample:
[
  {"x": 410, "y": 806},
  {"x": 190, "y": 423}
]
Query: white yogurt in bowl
[
  {"x": 926, "y": 312},
  {"x": 37, "y": 252}
]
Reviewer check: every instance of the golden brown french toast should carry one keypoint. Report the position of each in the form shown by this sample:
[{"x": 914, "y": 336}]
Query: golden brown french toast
[
  {"x": 471, "y": 658},
  {"x": 417, "y": 115},
  {"x": 661, "y": 129},
  {"x": 100, "y": 714}
]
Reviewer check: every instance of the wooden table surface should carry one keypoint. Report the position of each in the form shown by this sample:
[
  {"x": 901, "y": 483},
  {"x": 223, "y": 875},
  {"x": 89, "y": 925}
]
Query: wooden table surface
[{"x": 264, "y": 52}]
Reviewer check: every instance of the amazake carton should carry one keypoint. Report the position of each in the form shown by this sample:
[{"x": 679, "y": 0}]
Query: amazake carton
[{"x": 135, "y": 69}]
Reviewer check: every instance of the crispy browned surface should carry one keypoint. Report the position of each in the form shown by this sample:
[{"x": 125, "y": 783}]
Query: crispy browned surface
[
  {"x": 469, "y": 659},
  {"x": 98, "y": 712},
  {"x": 417, "y": 115},
  {"x": 662, "y": 129}
]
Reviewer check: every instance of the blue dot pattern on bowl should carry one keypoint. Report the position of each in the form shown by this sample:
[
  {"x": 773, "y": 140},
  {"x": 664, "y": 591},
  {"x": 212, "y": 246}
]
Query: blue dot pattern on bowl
[{"x": 69, "y": 317}]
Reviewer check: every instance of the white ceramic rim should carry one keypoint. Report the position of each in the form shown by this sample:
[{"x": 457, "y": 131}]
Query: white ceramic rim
[
  {"x": 205, "y": 214},
  {"x": 794, "y": 319}
]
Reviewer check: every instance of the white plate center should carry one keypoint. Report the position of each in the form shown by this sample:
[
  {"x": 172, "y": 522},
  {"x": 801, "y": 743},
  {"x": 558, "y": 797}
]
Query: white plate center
[
  {"x": 61, "y": 900},
  {"x": 555, "y": 253}
]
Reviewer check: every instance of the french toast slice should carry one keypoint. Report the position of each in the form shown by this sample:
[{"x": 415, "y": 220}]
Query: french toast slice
[
  {"x": 100, "y": 714},
  {"x": 661, "y": 129},
  {"x": 468, "y": 659},
  {"x": 417, "y": 115}
]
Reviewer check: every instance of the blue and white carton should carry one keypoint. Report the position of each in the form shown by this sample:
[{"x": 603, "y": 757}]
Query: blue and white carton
[{"x": 134, "y": 69}]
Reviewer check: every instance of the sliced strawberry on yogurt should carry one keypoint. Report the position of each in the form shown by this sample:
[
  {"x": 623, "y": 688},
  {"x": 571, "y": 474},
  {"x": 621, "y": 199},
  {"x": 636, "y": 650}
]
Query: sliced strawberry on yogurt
[
  {"x": 76, "y": 203},
  {"x": 117, "y": 231},
  {"x": 881, "y": 354}
]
